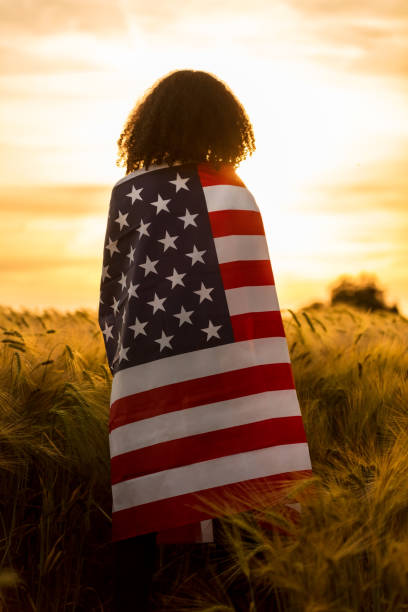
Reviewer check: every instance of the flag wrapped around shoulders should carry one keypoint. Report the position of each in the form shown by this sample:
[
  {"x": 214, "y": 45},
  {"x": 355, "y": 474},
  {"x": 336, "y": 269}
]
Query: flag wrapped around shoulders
[{"x": 203, "y": 398}]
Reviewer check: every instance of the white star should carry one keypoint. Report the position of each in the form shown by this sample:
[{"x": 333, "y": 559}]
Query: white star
[
  {"x": 196, "y": 255},
  {"x": 204, "y": 293},
  {"x": 122, "y": 281},
  {"x": 138, "y": 327},
  {"x": 135, "y": 194},
  {"x": 149, "y": 266},
  {"x": 142, "y": 229},
  {"x": 160, "y": 204},
  {"x": 122, "y": 220},
  {"x": 164, "y": 341},
  {"x": 105, "y": 273},
  {"x": 120, "y": 337},
  {"x": 115, "y": 305},
  {"x": 131, "y": 254},
  {"x": 168, "y": 241},
  {"x": 112, "y": 248},
  {"x": 184, "y": 316},
  {"x": 189, "y": 219},
  {"x": 180, "y": 182},
  {"x": 107, "y": 331},
  {"x": 211, "y": 330},
  {"x": 176, "y": 278},
  {"x": 122, "y": 353},
  {"x": 157, "y": 303},
  {"x": 132, "y": 290}
]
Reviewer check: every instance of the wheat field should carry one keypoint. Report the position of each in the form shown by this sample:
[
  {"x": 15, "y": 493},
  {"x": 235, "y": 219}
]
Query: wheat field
[{"x": 346, "y": 551}]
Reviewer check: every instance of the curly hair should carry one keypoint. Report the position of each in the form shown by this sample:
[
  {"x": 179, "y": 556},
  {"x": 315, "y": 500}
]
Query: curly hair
[{"x": 186, "y": 116}]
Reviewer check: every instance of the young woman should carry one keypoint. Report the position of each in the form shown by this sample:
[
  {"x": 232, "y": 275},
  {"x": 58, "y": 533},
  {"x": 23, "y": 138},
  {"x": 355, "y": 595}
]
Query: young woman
[{"x": 203, "y": 406}]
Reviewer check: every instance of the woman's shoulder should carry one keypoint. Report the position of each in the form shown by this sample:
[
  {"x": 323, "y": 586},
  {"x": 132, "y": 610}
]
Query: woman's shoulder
[
  {"x": 140, "y": 171},
  {"x": 223, "y": 179},
  {"x": 209, "y": 175},
  {"x": 225, "y": 175}
]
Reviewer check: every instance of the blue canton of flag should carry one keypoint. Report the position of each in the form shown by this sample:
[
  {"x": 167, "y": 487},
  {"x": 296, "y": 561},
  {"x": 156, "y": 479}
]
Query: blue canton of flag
[{"x": 169, "y": 299}]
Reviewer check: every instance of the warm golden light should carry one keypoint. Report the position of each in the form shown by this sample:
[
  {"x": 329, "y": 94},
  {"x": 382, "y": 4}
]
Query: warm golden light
[{"x": 327, "y": 98}]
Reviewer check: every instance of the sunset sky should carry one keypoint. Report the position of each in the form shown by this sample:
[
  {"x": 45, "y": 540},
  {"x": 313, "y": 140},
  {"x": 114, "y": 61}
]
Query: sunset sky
[{"x": 325, "y": 86}]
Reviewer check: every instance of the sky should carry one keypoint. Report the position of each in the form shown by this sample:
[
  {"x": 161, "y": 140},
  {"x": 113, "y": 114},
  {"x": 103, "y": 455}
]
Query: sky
[{"x": 324, "y": 84}]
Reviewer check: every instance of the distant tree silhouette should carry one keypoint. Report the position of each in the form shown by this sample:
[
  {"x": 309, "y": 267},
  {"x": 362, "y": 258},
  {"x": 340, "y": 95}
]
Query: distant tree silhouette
[{"x": 361, "y": 292}]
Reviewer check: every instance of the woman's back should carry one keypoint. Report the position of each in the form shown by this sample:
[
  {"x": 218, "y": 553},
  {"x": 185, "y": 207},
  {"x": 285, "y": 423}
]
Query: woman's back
[{"x": 203, "y": 398}]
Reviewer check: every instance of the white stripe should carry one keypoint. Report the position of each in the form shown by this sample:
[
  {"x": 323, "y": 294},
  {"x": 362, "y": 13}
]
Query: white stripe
[
  {"x": 143, "y": 170},
  {"x": 213, "y": 473},
  {"x": 241, "y": 248},
  {"x": 205, "y": 362},
  {"x": 251, "y": 299},
  {"x": 229, "y": 197},
  {"x": 207, "y": 532},
  {"x": 201, "y": 419}
]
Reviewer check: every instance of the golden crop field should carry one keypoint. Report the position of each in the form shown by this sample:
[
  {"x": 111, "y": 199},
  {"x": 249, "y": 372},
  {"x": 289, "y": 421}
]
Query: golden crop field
[{"x": 347, "y": 551}]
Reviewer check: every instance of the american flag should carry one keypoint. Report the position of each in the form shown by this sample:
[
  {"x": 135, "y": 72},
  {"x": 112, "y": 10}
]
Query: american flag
[{"x": 203, "y": 398}]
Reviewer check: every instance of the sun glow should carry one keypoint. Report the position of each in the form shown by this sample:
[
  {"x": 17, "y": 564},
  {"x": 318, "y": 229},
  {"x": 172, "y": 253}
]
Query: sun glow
[{"x": 324, "y": 110}]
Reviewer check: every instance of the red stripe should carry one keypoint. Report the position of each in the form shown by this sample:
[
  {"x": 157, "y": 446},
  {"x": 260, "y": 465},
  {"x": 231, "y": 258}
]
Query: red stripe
[
  {"x": 177, "y": 535},
  {"x": 236, "y": 222},
  {"x": 257, "y": 325},
  {"x": 200, "y": 391},
  {"x": 188, "y": 508},
  {"x": 207, "y": 446},
  {"x": 246, "y": 273},
  {"x": 224, "y": 176}
]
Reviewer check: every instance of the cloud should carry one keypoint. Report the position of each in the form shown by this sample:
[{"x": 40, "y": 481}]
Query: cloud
[
  {"x": 22, "y": 58},
  {"x": 56, "y": 201},
  {"x": 40, "y": 264},
  {"x": 365, "y": 8},
  {"x": 380, "y": 186},
  {"x": 366, "y": 37},
  {"x": 40, "y": 17},
  {"x": 379, "y": 48},
  {"x": 108, "y": 17}
]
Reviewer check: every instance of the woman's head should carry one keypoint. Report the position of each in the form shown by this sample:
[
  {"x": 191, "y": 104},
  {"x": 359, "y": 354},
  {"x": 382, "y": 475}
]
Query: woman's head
[{"x": 186, "y": 116}]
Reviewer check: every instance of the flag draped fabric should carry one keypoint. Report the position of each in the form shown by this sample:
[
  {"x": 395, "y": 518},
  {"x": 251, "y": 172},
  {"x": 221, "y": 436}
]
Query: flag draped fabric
[{"x": 203, "y": 398}]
